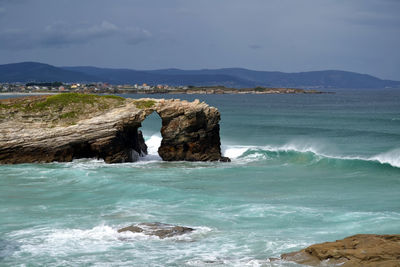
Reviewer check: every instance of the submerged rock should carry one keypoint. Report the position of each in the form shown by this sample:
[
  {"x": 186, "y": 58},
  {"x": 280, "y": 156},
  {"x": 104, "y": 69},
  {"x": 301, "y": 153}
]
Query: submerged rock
[
  {"x": 70, "y": 126},
  {"x": 359, "y": 250},
  {"x": 157, "y": 229}
]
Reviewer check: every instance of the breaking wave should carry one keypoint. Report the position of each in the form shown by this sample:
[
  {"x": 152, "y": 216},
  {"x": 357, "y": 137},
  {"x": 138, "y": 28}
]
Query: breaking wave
[
  {"x": 153, "y": 143},
  {"x": 308, "y": 154}
]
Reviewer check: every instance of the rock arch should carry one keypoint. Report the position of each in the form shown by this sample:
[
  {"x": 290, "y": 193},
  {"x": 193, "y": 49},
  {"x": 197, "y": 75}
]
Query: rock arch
[{"x": 190, "y": 131}]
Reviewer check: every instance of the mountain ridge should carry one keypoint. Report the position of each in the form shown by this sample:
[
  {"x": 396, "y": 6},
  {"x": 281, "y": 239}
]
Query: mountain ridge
[{"x": 228, "y": 77}]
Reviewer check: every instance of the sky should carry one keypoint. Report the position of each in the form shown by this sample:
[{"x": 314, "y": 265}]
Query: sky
[{"x": 272, "y": 35}]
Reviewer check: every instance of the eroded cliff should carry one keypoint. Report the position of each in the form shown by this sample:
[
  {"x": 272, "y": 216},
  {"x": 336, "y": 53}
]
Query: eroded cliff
[{"x": 70, "y": 126}]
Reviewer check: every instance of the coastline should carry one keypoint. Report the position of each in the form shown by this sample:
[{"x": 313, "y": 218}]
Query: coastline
[
  {"x": 24, "y": 94},
  {"x": 180, "y": 92}
]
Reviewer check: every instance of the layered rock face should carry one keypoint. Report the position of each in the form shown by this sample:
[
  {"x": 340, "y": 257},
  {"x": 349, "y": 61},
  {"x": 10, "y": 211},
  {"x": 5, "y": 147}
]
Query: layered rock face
[
  {"x": 359, "y": 250},
  {"x": 190, "y": 131},
  {"x": 70, "y": 126}
]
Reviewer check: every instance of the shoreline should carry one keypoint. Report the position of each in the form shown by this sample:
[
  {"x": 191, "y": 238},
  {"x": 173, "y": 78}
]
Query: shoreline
[
  {"x": 188, "y": 92},
  {"x": 23, "y": 94}
]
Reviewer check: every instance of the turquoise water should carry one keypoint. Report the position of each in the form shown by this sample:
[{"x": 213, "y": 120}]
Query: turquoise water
[{"x": 305, "y": 169}]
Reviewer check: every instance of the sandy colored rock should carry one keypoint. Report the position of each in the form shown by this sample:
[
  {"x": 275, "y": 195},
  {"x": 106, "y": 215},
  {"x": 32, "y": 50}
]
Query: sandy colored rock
[
  {"x": 365, "y": 250},
  {"x": 161, "y": 230},
  {"x": 70, "y": 126}
]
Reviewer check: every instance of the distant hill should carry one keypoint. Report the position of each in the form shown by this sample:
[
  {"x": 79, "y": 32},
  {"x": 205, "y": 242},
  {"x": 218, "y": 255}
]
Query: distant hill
[
  {"x": 322, "y": 79},
  {"x": 229, "y": 77},
  {"x": 121, "y": 76},
  {"x": 39, "y": 72}
]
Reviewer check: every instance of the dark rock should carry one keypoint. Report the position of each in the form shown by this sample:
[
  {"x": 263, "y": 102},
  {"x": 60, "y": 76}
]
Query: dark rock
[
  {"x": 132, "y": 228},
  {"x": 141, "y": 145},
  {"x": 366, "y": 250},
  {"x": 157, "y": 229},
  {"x": 225, "y": 159},
  {"x": 190, "y": 132}
]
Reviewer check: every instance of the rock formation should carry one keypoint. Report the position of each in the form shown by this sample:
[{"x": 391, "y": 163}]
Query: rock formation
[
  {"x": 365, "y": 250},
  {"x": 70, "y": 126},
  {"x": 161, "y": 230}
]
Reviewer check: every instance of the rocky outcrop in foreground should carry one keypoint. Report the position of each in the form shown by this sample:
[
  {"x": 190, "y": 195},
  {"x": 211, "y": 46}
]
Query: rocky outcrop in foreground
[
  {"x": 69, "y": 126},
  {"x": 161, "y": 230},
  {"x": 365, "y": 250}
]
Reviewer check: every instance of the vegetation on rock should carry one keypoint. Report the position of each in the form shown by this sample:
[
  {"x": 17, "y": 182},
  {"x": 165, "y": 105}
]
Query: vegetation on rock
[
  {"x": 64, "y": 109},
  {"x": 66, "y": 99},
  {"x": 144, "y": 103}
]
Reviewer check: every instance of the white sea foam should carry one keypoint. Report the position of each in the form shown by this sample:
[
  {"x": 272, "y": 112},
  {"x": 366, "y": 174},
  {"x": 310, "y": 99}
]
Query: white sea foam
[
  {"x": 153, "y": 143},
  {"x": 391, "y": 157},
  {"x": 237, "y": 152},
  {"x": 300, "y": 147},
  {"x": 101, "y": 236},
  {"x": 234, "y": 152}
]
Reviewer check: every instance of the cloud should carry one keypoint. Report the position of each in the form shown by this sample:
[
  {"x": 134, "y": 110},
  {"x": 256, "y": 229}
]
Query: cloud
[
  {"x": 255, "y": 46},
  {"x": 134, "y": 36},
  {"x": 61, "y": 34},
  {"x": 11, "y": 1},
  {"x": 2, "y": 10},
  {"x": 17, "y": 39},
  {"x": 375, "y": 20}
]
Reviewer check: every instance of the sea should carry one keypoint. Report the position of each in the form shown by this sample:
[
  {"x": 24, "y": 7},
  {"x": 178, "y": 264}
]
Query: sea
[{"x": 306, "y": 168}]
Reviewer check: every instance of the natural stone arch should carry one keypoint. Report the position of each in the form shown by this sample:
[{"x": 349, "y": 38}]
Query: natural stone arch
[{"x": 190, "y": 131}]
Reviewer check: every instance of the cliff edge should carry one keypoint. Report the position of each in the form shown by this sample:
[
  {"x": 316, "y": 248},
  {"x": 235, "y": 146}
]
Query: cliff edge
[{"x": 70, "y": 126}]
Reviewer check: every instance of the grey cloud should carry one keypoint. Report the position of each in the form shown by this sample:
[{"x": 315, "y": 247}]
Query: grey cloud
[
  {"x": 2, "y": 10},
  {"x": 61, "y": 34},
  {"x": 7, "y": 2},
  {"x": 134, "y": 36},
  {"x": 375, "y": 19},
  {"x": 17, "y": 39},
  {"x": 255, "y": 46}
]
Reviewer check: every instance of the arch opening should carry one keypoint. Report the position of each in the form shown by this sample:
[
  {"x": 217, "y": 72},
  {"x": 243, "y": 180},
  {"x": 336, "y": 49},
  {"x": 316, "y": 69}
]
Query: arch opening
[{"x": 151, "y": 131}]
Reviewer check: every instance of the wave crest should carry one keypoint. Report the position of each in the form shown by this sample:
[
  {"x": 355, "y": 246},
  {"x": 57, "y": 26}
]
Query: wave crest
[{"x": 306, "y": 154}]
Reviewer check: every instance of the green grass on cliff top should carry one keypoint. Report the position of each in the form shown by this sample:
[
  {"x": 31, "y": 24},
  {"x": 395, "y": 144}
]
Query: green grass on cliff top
[
  {"x": 65, "y": 108},
  {"x": 65, "y": 99},
  {"x": 61, "y": 101},
  {"x": 144, "y": 103}
]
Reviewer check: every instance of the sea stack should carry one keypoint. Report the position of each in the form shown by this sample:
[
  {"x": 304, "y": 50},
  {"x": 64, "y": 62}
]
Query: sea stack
[{"x": 70, "y": 126}]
